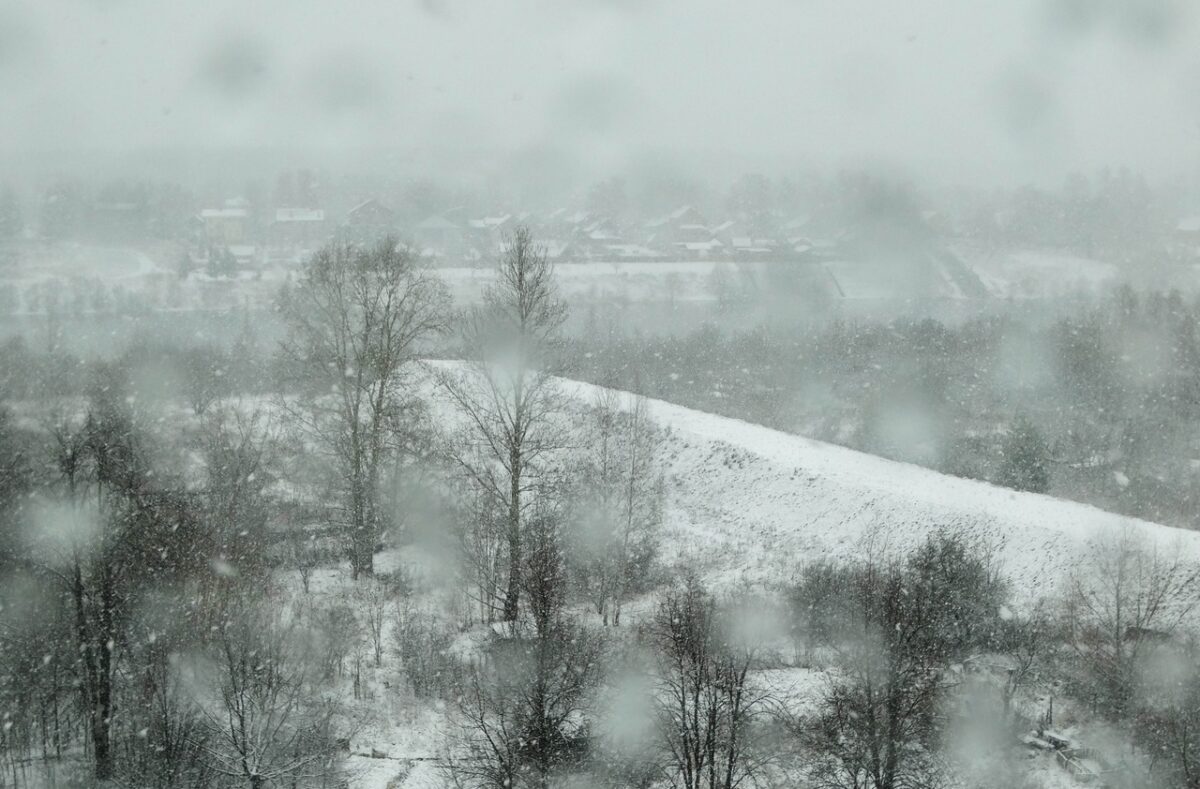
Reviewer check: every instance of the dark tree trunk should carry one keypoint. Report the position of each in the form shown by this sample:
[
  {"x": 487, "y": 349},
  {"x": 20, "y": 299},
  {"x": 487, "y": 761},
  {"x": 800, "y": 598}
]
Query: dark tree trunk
[
  {"x": 105, "y": 643},
  {"x": 512, "y": 597},
  {"x": 362, "y": 537}
]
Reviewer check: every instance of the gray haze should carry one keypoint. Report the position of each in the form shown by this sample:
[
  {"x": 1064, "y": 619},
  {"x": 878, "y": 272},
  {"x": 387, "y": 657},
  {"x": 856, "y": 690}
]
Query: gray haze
[{"x": 955, "y": 92}]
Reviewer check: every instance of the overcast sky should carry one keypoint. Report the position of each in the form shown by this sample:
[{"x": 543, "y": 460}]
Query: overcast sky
[{"x": 956, "y": 90}]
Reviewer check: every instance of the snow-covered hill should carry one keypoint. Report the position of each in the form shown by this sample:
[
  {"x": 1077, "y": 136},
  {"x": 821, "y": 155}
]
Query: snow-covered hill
[{"x": 748, "y": 502}]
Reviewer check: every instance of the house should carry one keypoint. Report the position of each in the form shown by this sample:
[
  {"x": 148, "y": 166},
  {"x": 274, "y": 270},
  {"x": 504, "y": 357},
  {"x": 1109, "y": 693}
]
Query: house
[
  {"x": 299, "y": 227},
  {"x": 728, "y": 230},
  {"x": 684, "y": 215},
  {"x": 244, "y": 255},
  {"x": 751, "y": 247},
  {"x": 683, "y": 226},
  {"x": 631, "y": 252},
  {"x": 440, "y": 236},
  {"x": 700, "y": 249},
  {"x": 368, "y": 221},
  {"x": 226, "y": 225},
  {"x": 486, "y": 234},
  {"x": 491, "y": 224},
  {"x": 557, "y": 250}
]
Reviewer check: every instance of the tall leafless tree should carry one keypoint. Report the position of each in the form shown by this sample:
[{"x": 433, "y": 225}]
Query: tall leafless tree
[
  {"x": 507, "y": 396},
  {"x": 355, "y": 320},
  {"x": 706, "y": 706}
]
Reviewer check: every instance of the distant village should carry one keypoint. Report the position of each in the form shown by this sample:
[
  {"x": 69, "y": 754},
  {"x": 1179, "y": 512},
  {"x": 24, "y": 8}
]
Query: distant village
[
  {"x": 458, "y": 238},
  {"x": 853, "y": 237}
]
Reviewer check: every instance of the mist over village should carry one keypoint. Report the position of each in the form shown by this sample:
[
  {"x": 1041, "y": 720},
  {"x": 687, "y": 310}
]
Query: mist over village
[{"x": 427, "y": 394}]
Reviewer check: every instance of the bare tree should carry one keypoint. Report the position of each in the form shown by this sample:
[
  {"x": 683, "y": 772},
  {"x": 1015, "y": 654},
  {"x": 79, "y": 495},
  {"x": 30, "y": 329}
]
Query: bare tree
[
  {"x": 641, "y": 504},
  {"x": 895, "y": 627},
  {"x": 355, "y": 320},
  {"x": 613, "y": 540},
  {"x": 1124, "y": 599},
  {"x": 706, "y": 706},
  {"x": 1029, "y": 643},
  {"x": 68, "y": 449},
  {"x": 164, "y": 747},
  {"x": 374, "y": 602},
  {"x": 422, "y": 642},
  {"x": 506, "y": 395},
  {"x": 237, "y": 447},
  {"x": 522, "y": 711},
  {"x": 264, "y": 716},
  {"x": 594, "y": 538},
  {"x": 302, "y": 556},
  {"x": 202, "y": 381},
  {"x": 482, "y": 540},
  {"x": 1169, "y": 731}
]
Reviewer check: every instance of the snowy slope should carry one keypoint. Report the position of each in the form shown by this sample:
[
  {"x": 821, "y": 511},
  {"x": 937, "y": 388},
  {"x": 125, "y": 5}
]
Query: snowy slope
[
  {"x": 1040, "y": 274},
  {"x": 747, "y": 502}
]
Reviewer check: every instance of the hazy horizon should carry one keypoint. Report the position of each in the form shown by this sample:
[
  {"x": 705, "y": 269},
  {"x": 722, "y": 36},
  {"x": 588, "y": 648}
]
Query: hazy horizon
[{"x": 946, "y": 93}]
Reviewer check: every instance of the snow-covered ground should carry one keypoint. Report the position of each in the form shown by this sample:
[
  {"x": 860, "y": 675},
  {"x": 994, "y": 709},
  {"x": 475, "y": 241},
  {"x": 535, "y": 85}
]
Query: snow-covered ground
[
  {"x": 972, "y": 275},
  {"x": 656, "y": 281},
  {"x": 749, "y": 506},
  {"x": 750, "y": 503},
  {"x": 1041, "y": 274}
]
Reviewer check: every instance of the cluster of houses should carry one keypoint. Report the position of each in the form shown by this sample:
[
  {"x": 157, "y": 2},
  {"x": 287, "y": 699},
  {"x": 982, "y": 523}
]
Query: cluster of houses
[
  {"x": 454, "y": 238},
  {"x": 231, "y": 231}
]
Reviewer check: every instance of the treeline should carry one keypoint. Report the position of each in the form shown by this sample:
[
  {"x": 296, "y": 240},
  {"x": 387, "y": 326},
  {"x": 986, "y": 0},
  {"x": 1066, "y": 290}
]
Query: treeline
[{"x": 1101, "y": 404}]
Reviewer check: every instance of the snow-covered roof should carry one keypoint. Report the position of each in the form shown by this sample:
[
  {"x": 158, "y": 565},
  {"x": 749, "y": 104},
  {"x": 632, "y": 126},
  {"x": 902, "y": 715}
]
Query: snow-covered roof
[
  {"x": 674, "y": 216},
  {"x": 631, "y": 251},
  {"x": 223, "y": 213},
  {"x": 489, "y": 222},
  {"x": 437, "y": 222},
  {"x": 300, "y": 215},
  {"x": 700, "y": 246},
  {"x": 370, "y": 201}
]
